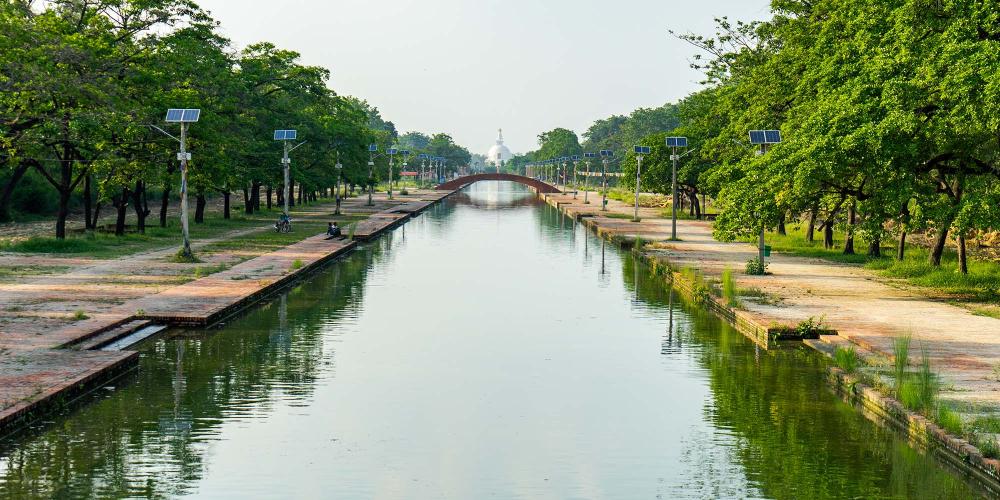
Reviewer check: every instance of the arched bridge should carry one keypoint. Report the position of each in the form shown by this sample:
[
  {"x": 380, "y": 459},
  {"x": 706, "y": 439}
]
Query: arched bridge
[{"x": 461, "y": 182}]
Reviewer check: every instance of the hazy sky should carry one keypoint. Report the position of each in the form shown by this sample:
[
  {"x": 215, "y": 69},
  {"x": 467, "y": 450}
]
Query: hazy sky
[{"x": 468, "y": 67}]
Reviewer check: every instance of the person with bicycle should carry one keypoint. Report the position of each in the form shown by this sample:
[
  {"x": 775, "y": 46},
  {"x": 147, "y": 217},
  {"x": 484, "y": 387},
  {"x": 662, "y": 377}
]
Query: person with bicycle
[{"x": 284, "y": 223}]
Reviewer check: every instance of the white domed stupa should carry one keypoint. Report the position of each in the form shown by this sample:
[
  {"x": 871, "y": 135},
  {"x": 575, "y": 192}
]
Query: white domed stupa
[{"x": 499, "y": 154}]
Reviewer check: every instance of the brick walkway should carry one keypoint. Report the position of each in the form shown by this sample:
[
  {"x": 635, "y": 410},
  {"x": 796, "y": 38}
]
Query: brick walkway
[
  {"x": 36, "y": 324},
  {"x": 863, "y": 307}
]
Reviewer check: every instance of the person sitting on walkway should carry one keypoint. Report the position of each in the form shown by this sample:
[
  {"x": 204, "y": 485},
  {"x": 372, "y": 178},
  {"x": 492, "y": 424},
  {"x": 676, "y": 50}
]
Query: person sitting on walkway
[{"x": 333, "y": 231}]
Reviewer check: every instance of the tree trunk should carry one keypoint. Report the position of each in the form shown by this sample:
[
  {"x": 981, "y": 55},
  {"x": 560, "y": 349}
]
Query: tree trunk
[
  {"x": 88, "y": 208},
  {"x": 963, "y": 257},
  {"x": 199, "y": 209},
  {"x": 255, "y": 196},
  {"x": 268, "y": 194},
  {"x": 696, "y": 204},
  {"x": 852, "y": 219},
  {"x": 140, "y": 206},
  {"x": 937, "y": 249},
  {"x": 291, "y": 193},
  {"x": 781, "y": 225},
  {"x": 875, "y": 246},
  {"x": 904, "y": 222},
  {"x": 164, "y": 204},
  {"x": 247, "y": 202},
  {"x": 280, "y": 198},
  {"x": 8, "y": 189},
  {"x": 811, "y": 230},
  {"x": 120, "y": 201},
  {"x": 225, "y": 204}
]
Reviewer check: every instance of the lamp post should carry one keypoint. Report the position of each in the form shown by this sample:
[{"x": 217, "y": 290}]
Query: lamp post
[
  {"x": 336, "y": 195},
  {"x": 183, "y": 117},
  {"x": 606, "y": 155},
  {"x": 640, "y": 151},
  {"x": 576, "y": 161},
  {"x": 764, "y": 139},
  {"x": 586, "y": 180},
  {"x": 674, "y": 143},
  {"x": 285, "y": 136},
  {"x": 392, "y": 155},
  {"x": 406, "y": 165},
  {"x": 372, "y": 149},
  {"x": 423, "y": 165}
]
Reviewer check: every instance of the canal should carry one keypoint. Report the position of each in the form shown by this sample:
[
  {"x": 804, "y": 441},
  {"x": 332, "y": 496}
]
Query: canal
[{"x": 488, "y": 348}]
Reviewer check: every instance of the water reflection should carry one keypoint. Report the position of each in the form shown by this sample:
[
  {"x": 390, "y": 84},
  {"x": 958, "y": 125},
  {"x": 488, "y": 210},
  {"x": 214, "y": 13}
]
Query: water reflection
[{"x": 482, "y": 352}]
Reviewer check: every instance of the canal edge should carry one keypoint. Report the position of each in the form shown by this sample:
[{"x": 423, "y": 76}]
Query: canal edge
[{"x": 878, "y": 408}]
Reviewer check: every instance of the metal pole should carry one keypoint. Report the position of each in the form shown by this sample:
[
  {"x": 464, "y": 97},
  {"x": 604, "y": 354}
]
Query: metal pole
[
  {"x": 390, "y": 175},
  {"x": 638, "y": 172},
  {"x": 586, "y": 185},
  {"x": 575, "y": 184},
  {"x": 186, "y": 250},
  {"x": 604, "y": 184},
  {"x": 284, "y": 164},
  {"x": 336, "y": 196},
  {"x": 371, "y": 178},
  {"x": 673, "y": 199}
]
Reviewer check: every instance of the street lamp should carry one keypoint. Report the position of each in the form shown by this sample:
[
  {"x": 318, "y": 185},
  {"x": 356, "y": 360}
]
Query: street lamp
[
  {"x": 640, "y": 151},
  {"x": 586, "y": 180},
  {"x": 423, "y": 163},
  {"x": 336, "y": 196},
  {"x": 606, "y": 155},
  {"x": 576, "y": 161},
  {"x": 392, "y": 155},
  {"x": 372, "y": 149},
  {"x": 674, "y": 143},
  {"x": 284, "y": 136},
  {"x": 184, "y": 117},
  {"x": 764, "y": 139}
]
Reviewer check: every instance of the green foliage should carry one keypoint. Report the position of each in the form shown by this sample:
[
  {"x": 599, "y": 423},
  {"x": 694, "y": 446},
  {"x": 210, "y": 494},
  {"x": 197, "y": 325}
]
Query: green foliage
[
  {"x": 950, "y": 420},
  {"x": 756, "y": 267},
  {"x": 729, "y": 291},
  {"x": 79, "y": 315},
  {"x": 296, "y": 264},
  {"x": 846, "y": 359}
]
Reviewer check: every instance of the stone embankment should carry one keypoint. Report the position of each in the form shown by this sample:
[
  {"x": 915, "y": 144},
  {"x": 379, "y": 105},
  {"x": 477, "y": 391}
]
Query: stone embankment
[
  {"x": 44, "y": 364},
  {"x": 856, "y": 307}
]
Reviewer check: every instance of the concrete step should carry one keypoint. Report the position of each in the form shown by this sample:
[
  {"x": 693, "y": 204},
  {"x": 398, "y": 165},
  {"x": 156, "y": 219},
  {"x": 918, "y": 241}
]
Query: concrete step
[{"x": 111, "y": 335}]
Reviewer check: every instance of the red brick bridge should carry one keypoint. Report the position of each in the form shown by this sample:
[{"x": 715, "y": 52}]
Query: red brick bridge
[{"x": 461, "y": 182}]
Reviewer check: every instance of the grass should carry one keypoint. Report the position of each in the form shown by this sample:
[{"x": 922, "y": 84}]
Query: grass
[
  {"x": 982, "y": 284},
  {"x": 901, "y": 359},
  {"x": 729, "y": 291},
  {"x": 296, "y": 264},
  {"x": 79, "y": 315},
  {"x": 846, "y": 359}
]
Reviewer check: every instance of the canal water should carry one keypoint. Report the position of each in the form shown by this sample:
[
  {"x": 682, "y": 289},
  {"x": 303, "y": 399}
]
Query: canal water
[{"x": 490, "y": 348}]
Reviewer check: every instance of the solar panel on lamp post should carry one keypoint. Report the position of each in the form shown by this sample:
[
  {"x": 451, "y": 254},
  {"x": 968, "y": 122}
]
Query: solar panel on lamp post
[
  {"x": 586, "y": 180},
  {"x": 576, "y": 161},
  {"x": 372, "y": 149},
  {"x": 674, "y": 143},
  {"x": 606, "y": 155},
  {"x": 184, "y": 117},
  {"x": 764, "y": 139},
  {"x": 284, "y": 136},
  {"x": 639, "y": 152}
]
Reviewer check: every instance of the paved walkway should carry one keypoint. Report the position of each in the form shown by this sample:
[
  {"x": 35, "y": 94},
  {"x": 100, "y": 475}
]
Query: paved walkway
[{"x": 863, "y": 307}]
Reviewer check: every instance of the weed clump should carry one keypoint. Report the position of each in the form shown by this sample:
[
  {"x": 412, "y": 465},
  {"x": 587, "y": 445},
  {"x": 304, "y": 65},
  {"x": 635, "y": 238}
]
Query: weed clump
[
  {"x": 756, "y": 267},
  {"x": 79, "y": 315},
  {"x": 729, "y": 291},
  {"x": 846, "y": 359}
]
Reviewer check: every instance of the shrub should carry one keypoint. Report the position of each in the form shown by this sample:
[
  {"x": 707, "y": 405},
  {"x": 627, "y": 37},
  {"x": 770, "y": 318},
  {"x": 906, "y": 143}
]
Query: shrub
[
  {"x": 756, "y": 267},
  {"x": 810, "y": 327},
  {"x": 846, "y": 359},
  {"x": 988, "y": 446}
]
